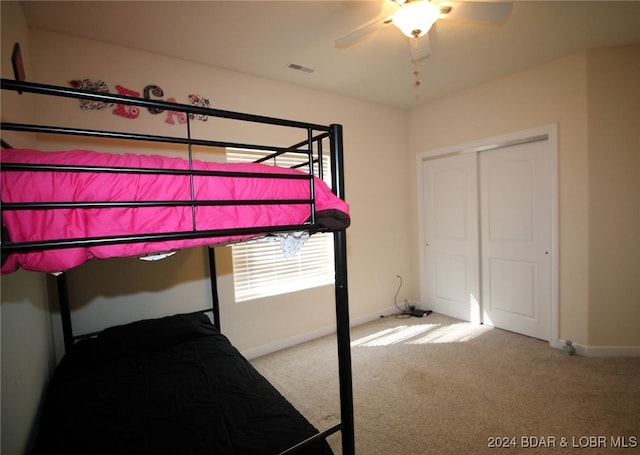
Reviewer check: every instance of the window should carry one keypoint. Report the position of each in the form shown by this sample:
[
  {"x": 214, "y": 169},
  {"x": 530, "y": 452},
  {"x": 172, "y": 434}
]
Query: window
[{"x": 260, "y": 268}]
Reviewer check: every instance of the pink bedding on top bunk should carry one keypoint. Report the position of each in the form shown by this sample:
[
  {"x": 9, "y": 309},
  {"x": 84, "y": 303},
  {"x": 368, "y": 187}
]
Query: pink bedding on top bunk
[{"x": 46, "y": 186}]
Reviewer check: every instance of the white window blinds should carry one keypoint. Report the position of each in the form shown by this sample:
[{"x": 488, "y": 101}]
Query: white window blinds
[{"x": 260, "y": 268}]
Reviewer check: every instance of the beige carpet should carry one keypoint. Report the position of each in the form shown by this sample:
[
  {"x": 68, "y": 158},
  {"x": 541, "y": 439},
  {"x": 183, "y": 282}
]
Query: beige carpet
[{"x": 435, "y": 385}]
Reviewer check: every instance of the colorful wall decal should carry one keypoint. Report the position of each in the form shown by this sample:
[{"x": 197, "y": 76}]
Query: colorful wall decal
[{"x": 150, "y": 92}]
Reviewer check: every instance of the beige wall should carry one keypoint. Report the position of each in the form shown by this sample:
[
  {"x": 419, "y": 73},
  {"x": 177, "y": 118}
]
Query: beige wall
[
  {"x": 571, "y": 92},
  {"x": 25, "y": 334},
  {"x": 376, "y": 163},
  {"x": 614, "y": 196}
]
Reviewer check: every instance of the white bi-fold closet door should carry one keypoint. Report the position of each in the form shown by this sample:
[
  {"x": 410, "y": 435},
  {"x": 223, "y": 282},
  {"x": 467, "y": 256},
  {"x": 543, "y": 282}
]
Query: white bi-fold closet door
[{"x": 487, "y": 213}]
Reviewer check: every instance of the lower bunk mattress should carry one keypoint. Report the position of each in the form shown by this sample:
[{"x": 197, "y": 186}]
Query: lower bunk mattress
[{"x": 172, "y": 385}]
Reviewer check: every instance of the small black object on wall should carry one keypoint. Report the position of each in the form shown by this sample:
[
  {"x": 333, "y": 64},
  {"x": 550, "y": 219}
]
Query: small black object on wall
[{"x": 18, "y": 65}]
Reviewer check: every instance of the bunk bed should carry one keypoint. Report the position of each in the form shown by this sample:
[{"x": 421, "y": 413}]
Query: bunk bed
[{"x": 173, "y": 384}]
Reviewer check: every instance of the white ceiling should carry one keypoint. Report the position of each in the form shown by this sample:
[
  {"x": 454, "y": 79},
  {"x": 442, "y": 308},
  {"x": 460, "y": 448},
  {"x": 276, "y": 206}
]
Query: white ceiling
[{"x": 264, "y": 37}]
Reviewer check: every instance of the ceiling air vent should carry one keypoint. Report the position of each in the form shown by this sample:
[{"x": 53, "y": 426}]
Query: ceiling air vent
[{"x": 297, "y": 67}]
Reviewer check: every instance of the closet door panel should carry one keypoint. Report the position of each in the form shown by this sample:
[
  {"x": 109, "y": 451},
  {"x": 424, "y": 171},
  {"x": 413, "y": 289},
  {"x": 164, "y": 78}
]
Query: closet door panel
[
  {"x": 450, "y": 249},
  {"x": 516, "y": 238}
]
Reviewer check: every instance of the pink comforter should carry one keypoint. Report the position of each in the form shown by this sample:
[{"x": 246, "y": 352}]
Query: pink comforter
[{"x": 32, "y": 225}]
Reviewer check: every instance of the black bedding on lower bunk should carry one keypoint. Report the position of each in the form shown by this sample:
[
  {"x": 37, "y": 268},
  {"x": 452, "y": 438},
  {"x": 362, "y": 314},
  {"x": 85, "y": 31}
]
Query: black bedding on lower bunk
[{"x": 173, "y": 385}]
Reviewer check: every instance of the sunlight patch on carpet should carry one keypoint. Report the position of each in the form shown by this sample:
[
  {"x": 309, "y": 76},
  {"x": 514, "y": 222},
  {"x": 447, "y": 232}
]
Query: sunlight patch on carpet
[
  {"x": 454, "y": 333},
  {"x": 393, "y": 335},
  {"x": 422, "y": 334}
]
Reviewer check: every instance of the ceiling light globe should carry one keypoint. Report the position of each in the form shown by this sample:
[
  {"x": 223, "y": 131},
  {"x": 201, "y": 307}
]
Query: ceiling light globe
[{"x": 415, "y": 18}]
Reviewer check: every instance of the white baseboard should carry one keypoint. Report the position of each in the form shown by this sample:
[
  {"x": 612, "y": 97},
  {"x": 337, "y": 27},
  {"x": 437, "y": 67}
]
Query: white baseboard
[
  {"x": 372, "y": 316},
  {"x": 268, "y": 348},
  {"x": 581, "y": 349},
  {"x": 312, "y": 335},
  {"x": 603, "y": 351}
]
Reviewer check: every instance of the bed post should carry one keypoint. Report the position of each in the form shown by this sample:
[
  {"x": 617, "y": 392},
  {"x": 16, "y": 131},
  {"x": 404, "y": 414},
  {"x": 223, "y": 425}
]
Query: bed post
[
  {"x": 342, "y": 300},
  {"x": 213, "y": 277},
  {"x": 65, "y": 311}
]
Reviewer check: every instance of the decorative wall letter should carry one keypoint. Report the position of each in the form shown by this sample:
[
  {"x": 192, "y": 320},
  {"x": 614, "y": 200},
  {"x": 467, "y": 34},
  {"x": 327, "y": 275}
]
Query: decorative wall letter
[
  {"x": 182, "y": 118},
  {"x": 155, "y": 91},
  {"x": 196, "y": 100},
  {"x": 92, "y": 86},
  {"x": 127, "y": 111}
]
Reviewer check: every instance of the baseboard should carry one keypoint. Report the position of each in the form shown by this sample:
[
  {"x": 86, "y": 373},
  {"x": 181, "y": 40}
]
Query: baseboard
[
  {"x": 604, "y": 351},
  {"x": 268, "y": 348},
  {"x": 372, "y": 316}
]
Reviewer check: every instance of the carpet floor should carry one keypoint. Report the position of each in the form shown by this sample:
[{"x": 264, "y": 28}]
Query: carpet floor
[{"x": 437, "y": 385}]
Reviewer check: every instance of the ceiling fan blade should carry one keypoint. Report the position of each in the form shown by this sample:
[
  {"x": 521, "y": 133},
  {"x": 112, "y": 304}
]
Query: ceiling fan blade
[
  {"x": 494, "y": 12},
  {"x": 361, "y": 33},
  {"x": 420, "y": 48}
]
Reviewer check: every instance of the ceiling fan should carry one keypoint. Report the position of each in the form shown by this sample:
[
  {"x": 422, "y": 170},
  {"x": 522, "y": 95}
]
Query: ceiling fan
[{"x": 416, "y": 17}]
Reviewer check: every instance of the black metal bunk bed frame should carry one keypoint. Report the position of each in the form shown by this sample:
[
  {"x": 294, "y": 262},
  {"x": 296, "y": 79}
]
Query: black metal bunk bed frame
[{"x": 315, "y": 135}]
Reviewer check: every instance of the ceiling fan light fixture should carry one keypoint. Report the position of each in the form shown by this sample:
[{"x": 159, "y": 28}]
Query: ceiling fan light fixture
[{"x": 415, "y": 18}]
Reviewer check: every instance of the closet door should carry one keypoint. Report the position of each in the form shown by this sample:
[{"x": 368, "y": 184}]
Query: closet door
[
  {"x": 515, "y": 214},
  {"x": 450, "y": 283}
]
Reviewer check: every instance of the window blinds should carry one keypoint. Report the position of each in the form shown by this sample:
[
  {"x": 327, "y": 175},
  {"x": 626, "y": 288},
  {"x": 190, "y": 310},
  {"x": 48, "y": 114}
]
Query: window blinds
[{"x": 260, "y": 268}]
